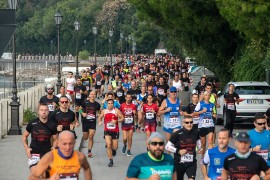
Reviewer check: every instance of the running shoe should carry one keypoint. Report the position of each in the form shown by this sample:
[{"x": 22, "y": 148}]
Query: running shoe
[
  {"x": 110, "y": 163},
  {"x": 129, "y": 153},
  {"x": 124, "y": 149}
]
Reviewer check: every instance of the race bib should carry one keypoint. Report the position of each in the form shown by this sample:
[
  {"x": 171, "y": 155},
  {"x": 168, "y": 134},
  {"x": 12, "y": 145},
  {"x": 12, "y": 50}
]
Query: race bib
[
  {"x": 68, "y": 176},
  {"x": 187, "y": 158},
  {"x": 160, "y": 91},
  {"x": 78, "y": 95},
  {"x": 263, "y": 154},
  {"x": 140, "y": 70},
  {"x": 90, "y": 116},
  {"x": 174, "y": 120},
  {"x": 34, "y": 159},
  {"x": 106, "y": 71},
  {"x": 185, "y": 84},
  {"x": 128, "y": 120},
  {"x": 207, "y": 122},
  {"x": 149, "y": 115},
  {"x": 98, "y": 83},
  {"x": 196, "y": 119},
  {"x": 87, "y": 88},
  {"x": 231, "y": 106},
  {"x": 51, "y": 107},
  {"x": 110, "y": 126},
  {"x": 119, "y": 94}
]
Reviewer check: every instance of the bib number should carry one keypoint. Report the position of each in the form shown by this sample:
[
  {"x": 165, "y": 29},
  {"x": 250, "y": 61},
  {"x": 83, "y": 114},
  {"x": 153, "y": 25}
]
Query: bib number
[
  {"x": 68, "y": 176},
  {"x": 174, "y": 121},
  {"x": 196, "y": 119},
  {"x": 160, "y": 91},
  {"x": 90, "y": 116},
  {"x": 263, "y": 154},
  {"x": 149, "y": 115},
  {"x": 110, "y": 126},
  {"x": 98, "y": 83},
  {"x": 207, "y": 122},
  {"x": 187, "y": 158},
  {"x": 128, "y": 120},
  {"x": 231, "y": 106},
  {"x": 34, "y": 159},
  {"x": 119, "y": 94},
  {"x": 50, "y": 106},
  {"x": 78, "y": 95}
]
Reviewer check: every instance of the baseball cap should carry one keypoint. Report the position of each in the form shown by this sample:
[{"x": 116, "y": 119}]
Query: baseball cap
[
  {"x": 155, "y": 135},
  {"x": 173, "y": 89},
  {"x": 242, "y": 137}
]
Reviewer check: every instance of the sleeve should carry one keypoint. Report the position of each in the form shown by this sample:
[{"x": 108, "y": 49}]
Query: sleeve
[
  {"x": 98, "y": 106},
  {"x": 121, "y": 107},
  {"x": 52, "y": 117},
  {"x": 133, "y": 169},
  {"x": 117, "y": 104},
  {"x": 263, "y": 165},
  {"x": 73, "y": 116},
  {"x": 29, "y": 127},
  {"x": 41, "y": 100},
  {"x": 225, "y": 165},
  {"x": 54, "y": 129},
  {"x": 225, "y": 95},
  {"x": 206, "y": 158},
  {"x": 237, "y": 96},
  {"x": 156, "y": 108},
  {"x": 188, "y": 109},
  {"x": 198, "y": 107},
  {"x": 173, "y": 139}
]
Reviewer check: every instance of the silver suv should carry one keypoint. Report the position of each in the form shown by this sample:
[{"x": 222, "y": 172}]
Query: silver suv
[{"x": 254, "y": 98}]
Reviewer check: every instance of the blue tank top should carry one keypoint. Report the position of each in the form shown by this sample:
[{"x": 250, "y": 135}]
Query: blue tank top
[
  {"x": 172, "y": 119},
  {"x": 216, "y": 161},
  {"x": 140, "y": 97},
  {"x": 206, "y": 119}
]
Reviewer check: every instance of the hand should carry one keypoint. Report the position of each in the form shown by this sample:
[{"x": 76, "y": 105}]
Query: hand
[
  {"x": 71, "y": 126},
  {"x": 28, "y": 152},
  {"x": 257, "y": 148},
  {"x": 200, "y": 151},
  {"x": 81, "y": 91},
  {"x": 100, "y": 123},
  {"x": 168, "y": 109},
  {"x": 204, "y": 110},
  {"x": 77, "y": 124},
  {"x": 182, "y": 151},
  {"x": 218, "y": 106},
  {"x": 55, "y": 176},
  {"x": 255, "y": 177},
  {"x": 114, "y": 121},
  {"x": 154, "y": 177},
  {"x": 59, "y": 127},
  {"x": 207, "y": 178}
]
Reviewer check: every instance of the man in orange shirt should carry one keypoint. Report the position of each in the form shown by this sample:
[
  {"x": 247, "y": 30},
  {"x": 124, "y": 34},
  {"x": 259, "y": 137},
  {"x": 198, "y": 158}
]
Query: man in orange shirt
[{"x": 63, "y": 162}]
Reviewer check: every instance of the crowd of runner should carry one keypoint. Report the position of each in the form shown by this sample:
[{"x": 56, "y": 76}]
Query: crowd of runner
[{"x": 137, "y": 96}]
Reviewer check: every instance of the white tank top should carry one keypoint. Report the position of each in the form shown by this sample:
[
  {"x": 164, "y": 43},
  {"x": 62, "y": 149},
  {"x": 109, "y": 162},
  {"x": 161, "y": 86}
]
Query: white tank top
[
  {"x": 178, "y": 85},
  {"x": 70, "y": 84}
]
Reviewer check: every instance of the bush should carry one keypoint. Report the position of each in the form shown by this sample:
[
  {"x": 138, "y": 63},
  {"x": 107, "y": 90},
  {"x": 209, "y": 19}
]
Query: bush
[
  {"x": 84, "y": 55},
  {"x": 28, "y": 115}
]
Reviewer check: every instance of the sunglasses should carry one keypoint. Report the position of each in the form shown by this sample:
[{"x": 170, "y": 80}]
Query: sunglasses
[
  {"x": 173, "y": 91},
  {"x": 64, "y": 102},
  {"x": 189, "y": 122},
  {"x": 157, "y": 143},
  {"x": 49, "y": 88},
  {"x": 260, "y": 123}
]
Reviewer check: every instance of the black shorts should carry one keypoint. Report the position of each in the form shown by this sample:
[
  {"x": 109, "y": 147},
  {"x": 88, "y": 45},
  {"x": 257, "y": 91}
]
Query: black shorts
[
  {"x": 98, "y": 86},
  {"x": 78, "y": 102},
  {"x": 205, "y": 131},
  {"x": 114, "y": 135},
  {"x": 88, "y": 125},
  {"x": 188, "y": 168}
]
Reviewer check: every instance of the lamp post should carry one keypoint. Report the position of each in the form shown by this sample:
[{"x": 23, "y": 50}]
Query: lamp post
[
  {"x": 84, "y": 41},
  {"x": 110, "y": 42},
  {"x": 129, "y": 39},
  {"x": 133, "y": 48},
  {"x": 126, "y": 39},
  {"x": 58, "y": 19},
  {"x": 95, "y": 44},
  {"x": 14, "y": 104},
  {"x": 121, "y": 45},
  {"x": 77, "y": 28},
  {"x": 51, "y": 47}
]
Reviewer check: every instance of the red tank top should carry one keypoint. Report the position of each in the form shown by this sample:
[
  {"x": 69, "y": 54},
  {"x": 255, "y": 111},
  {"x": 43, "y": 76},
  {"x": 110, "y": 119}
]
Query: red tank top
[{"x": 108, "y": 117}]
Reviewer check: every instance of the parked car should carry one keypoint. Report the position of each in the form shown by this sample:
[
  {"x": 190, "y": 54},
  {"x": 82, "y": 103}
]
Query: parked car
[{"x": 254, "y": 98}]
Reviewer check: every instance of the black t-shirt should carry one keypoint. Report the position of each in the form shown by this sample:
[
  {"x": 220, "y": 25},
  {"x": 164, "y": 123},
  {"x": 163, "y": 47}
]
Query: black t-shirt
[
  {"x": 120, "y": 94},
  {"x": 41, "y": 134},
  {"x": 87, "y": 83},
  {"x": 244, "y": 168},
  {"x": 79, "y": 96},
  {"x": 134, "y": 92},
  {"x": 230, "y": 100},
  {"x": 186, "y": 82},
  {"x": 161, "y": 90},
  {"x": 183, "y": 139},
  {"x": 107, "y": 68},
  {"x": 200, "y": 88},
  {"x": 90, "y": 108},
  {"x": 190, "y": 108},
  {"x": 49, "y": 102},
  {"x": 63, "y": 118},
  {"x": 164, "y": 75}
]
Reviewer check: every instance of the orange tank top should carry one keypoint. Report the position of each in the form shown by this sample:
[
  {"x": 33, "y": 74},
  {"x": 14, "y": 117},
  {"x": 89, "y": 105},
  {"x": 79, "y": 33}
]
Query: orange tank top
[{"x": 65, "y": 167}]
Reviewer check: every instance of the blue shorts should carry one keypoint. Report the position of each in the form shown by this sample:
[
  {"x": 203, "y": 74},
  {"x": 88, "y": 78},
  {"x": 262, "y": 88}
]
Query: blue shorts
[{"x": 170, "y": 130}]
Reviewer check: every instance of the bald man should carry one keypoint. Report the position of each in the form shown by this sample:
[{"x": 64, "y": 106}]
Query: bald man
[{"x": 63, "y": 162}]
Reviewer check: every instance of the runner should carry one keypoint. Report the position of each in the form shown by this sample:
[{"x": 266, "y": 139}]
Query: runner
[
  {"x": 86, "y": 81},
  {"x": 111, "y": 129},
  {"x": 98, "y": 76},
  {"x": 129, "y": 110},
  {"x": 260, "y": 138},
  {"x": 149, "y": 110},
  {"x": 49, "y": 99},
  {"x": 89, "y": 111},
  {"x": 120, "y": 93},
  {"x": 200, "y": 88},
  {"x": 206, "y": 125},
  {"x": 107, "y": 69},
  {"x": 244, "y": 164},
  {"x": 214, "y": 158},
  {"x": 162, "y": 90},
  {"x": 170, "y": 107},
  {"x": 64, "y": 162},
  {"x": 155, "y": 164},
  {"x": 109, "y": 95},
  {"x": 62, "y": 91},
  {"x": 230, "y": 98},
  {"x": 183, "y": 144},
  {"x": 42, "y": 131},
  {"x": 70, "y": 81},
  {"x": 80, "y": 96},
  {"x": 190, "y": 109}
]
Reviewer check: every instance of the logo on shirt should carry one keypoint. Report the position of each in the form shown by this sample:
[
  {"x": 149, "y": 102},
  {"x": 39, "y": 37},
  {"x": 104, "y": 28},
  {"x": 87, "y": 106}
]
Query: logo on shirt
[{"x": 216, "y": 161}]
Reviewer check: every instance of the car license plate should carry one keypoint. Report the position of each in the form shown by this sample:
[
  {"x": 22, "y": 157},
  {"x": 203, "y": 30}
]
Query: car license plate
[{"x": 254, "y": 101}]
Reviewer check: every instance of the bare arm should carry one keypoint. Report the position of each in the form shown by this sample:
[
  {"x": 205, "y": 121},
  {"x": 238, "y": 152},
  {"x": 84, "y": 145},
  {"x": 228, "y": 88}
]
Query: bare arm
[
  {"x": 120, "y": 115},
  {"x": 25, "y": 143},
  {"x": 86, "y": 166},
  {"x": 225, "y": 174},
  {"x": 54, "y": 141},
  {"x": 267, "y": 174},
  {"x": 100, "y": 117},
  {"x": 161, "y": 110}
]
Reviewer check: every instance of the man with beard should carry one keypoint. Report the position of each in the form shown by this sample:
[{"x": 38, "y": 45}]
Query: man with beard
[
  {"x": 49, "y": 99},
  {"x": 154, "y": 164},
  {"x": 215, "y": 157},
  {"x": 80, "y": 95}
]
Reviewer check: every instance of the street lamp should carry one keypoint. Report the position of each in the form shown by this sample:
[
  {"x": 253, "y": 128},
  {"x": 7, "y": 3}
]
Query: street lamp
[
  {"x": 51, "y": 47},
  {"x": 14, "y": 104},
  {"x": 58, "y": 19},
  {"x": 121, "y": 45},
  {"x": 77, "y": 28},
  {"x": 126, "y": 39},
  {"x": 110, "y": 42},
  {"x": 129, "y": 39},
  {"x": 95, "y": 46},
  {"x": 84, "y": 41},
  {"x": 133, "y": 47}
]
